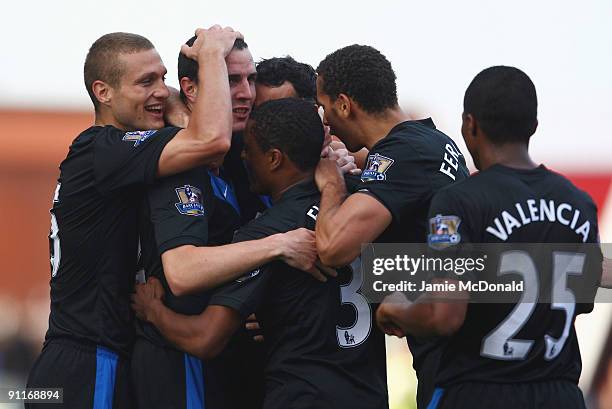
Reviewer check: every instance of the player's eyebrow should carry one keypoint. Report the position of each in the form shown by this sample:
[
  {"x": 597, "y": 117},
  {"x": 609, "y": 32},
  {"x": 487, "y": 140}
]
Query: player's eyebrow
[{"x": 150, "y": 74}]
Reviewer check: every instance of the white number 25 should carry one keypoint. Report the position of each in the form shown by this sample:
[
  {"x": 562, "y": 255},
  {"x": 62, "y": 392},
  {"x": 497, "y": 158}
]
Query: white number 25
[{"x": 499, "y": 343}]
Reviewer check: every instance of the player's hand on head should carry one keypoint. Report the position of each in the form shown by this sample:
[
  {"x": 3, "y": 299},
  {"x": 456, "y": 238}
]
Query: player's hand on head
[
  {"x": 346, "y": 162},
  {"x": 176, "y": 112},
  {"x": 299, "y": 251},
  {"x": 212, "y": 40},
  {"x": 146, "y": 296}
]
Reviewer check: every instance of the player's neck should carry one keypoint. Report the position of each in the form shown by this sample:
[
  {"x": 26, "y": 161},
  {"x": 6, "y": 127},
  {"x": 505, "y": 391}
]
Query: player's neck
[
  {"x": 375, "y": 127},
  {"x": 288, "y": 182},
  {"x": 511, "y": 155},
  {"x": 104, "y": 117}
]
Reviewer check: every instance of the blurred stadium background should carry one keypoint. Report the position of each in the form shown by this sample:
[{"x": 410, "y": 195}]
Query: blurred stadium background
[{"x": 436, "y": 49}]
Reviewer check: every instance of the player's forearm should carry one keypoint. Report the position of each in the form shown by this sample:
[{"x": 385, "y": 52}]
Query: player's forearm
[
  {"x": 186, "y": 332},
  {"x": 208, "y": 135},
  {"x": 331, "y": 226},
  {"x": 425, "y": 317},
  {"x": 192, "y": 269},
  {"x": 211, "y": 117},
  {"x": 429, "y": 315},
  {"x": 204, "y": 335}
]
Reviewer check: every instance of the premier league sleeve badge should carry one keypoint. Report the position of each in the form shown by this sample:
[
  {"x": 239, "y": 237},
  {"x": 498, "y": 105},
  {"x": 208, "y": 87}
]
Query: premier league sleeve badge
[
  {"x": 376, "y": 168},
  {"x": 443, "y": 231},
  {"x": 190, "y": 201}
]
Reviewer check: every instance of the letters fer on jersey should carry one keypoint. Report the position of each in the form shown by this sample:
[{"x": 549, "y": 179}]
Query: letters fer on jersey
[
  {"x": 138, "y": 137},
  {"x": 443, "y": 231},
  {"x": 376, "y": 168},
  {"x": 190, "y": 201}
]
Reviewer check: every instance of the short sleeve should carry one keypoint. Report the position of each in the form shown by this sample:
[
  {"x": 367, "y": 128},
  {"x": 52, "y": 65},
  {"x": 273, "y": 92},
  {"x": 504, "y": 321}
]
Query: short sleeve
[
  {"x": 246, "y": 293},
  {"x": 180, "y": 206},
  {"x": 449, "y": 234},
  {"x": 128, "y": 158},
  {"x": 395, "y": 176}
]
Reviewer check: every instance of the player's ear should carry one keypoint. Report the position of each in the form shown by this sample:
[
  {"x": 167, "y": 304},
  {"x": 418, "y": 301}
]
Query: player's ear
[
  {"x": 344, "y": 105},
  {"x": 189, "y": 88},
  {"x": 275, "y": 158},
  {"x": 469, "y": 125},
  {"x": 102, "y": 91}
]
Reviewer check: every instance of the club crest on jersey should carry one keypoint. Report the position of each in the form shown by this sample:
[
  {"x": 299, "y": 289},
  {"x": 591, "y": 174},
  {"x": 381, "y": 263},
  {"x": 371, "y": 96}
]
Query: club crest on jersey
[
  {"x": 443, "y": 231},
  {"x": 138, "y": 137},
  {"x": 191, "y": 201},
  {"x": 248, "y": 276},
  {"x": 376, "y": 168}
]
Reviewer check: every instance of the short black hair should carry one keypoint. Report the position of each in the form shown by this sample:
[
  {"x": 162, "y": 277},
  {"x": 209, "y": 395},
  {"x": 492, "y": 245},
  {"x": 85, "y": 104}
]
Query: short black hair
[
  {"x": 291, "y": 125},
  {"x": 503, "y": 101},
  {"x": 275, "y": 71},
  {"x": 189, "y": 68},
  {"x": 102, "y": 61},
  {"x": 362, "y": 73}
]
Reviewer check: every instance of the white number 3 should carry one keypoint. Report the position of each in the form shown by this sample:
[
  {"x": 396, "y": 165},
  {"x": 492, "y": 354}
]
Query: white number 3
[
  {"x": 54, "y": 241},
  {"x": 357, "y": 333}
]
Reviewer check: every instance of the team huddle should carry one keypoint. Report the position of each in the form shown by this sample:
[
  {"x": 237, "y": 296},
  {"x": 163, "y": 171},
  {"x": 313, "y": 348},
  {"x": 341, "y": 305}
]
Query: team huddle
[{"x": 205, "y": 244}]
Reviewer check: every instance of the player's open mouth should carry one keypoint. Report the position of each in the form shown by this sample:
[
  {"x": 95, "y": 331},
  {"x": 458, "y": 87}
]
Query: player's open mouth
[
  {"x": 157, "y": 109},
  {"x": 241, "y": 112}
]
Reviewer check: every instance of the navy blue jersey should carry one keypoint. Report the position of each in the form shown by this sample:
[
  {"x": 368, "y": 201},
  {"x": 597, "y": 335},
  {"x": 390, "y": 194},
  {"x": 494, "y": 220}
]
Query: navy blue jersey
[
  {"x": 94, "y": 233},
  {"x": 404, "y": 170},
  {"x": 318, "y": 356},
  {"x": 183, "y": 209},
  {"x": 534, "y": 340}
]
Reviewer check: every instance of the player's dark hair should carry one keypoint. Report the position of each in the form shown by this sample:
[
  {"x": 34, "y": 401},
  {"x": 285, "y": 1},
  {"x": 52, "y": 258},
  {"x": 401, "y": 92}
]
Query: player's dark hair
[
  {"x": 102, "y": 61},
  {"x": 291, "y": 125},
  {"x": 275, "y": 71},
  {"x": 504, "y": 103},
  {"x": 189, "y": 68},
  {"x": 362, "y": 73}
]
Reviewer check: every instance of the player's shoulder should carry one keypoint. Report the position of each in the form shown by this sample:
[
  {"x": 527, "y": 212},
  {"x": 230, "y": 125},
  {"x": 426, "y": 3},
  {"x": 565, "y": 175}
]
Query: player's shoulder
[
  {"x": 567, "y": 188},
  {"x": 277, "y": 219},
  {"x": 418, "y": 135},
  {"x": 288, "y": 213},
  {"x": 111, "y": 134}
]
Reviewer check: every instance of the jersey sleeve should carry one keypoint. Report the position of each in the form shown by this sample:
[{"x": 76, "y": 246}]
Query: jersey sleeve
[
  {"x": 394, "y": 175},
  {"x": 128, "y": 158},
  {"x": 247, "y": 292},
  {"x": 180, "y": 206},
  {"x": 450, "y": 232}
]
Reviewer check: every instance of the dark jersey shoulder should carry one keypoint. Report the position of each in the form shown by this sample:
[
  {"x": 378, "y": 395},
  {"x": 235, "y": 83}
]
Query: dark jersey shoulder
[
  {"x": 313, "y": 349},
  {"x": 405, "y": 169},
  {"x": 94, "y": 235},
  {"x": 183, "y": 209},
  {"x": 527, "y": 219},
  {"x": 502, "y": 204}
]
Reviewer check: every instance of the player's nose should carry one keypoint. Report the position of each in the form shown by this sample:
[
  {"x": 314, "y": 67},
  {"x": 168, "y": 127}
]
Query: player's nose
[
  {"x": 161, "y": 91},
  {"x": 245, "y": 91}
]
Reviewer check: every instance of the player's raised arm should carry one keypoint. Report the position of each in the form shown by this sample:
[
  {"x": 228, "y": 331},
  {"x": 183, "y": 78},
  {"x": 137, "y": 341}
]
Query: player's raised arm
[
  {"x": 208, "y": 135},
  {"x": 344, "y": 223}
]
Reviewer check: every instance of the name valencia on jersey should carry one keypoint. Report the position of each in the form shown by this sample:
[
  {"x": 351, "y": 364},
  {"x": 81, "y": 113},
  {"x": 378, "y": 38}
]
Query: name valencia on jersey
[{"x": 545, "y": 211}]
